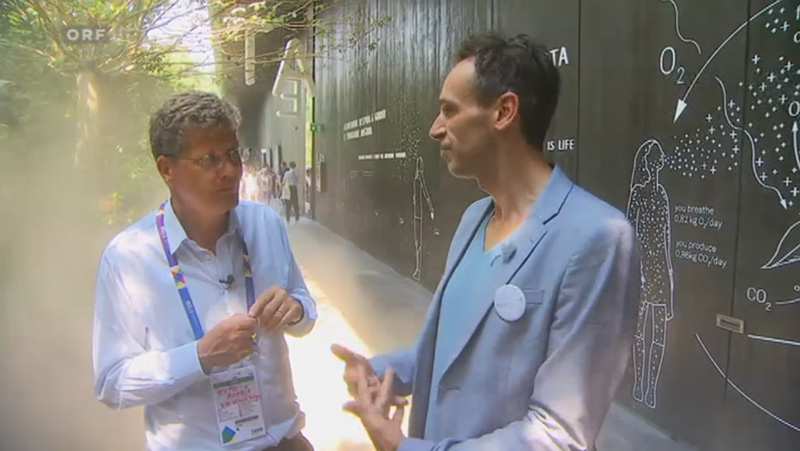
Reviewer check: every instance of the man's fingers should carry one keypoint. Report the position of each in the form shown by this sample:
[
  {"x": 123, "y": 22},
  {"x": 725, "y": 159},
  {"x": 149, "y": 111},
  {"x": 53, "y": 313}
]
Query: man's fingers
[
  {"x": 258, "y": 308},
  {"x": 397, "y": 416},
  {"x": 273, "y": 323},
  {"x": 385, "y": 390},
  {"x": 363, "y": 391},
  {"x": 398, "y": 401},
  {"x": 352, "y": 407},
  {"x": 284, "y": 315},
  {"x": 344, "y": 354},
  {"x": 247, "y": 323},
  {"x": 277, "y": 312}
]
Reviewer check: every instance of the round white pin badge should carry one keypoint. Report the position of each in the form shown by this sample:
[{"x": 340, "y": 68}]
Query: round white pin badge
[{"x": 509, "y": 301}]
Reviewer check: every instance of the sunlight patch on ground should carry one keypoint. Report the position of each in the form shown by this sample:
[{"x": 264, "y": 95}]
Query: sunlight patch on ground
[{"x": 318, "y": 379}]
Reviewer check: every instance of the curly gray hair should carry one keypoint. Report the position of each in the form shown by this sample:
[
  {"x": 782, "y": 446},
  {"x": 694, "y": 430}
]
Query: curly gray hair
[{"x": 192, "y": 110}]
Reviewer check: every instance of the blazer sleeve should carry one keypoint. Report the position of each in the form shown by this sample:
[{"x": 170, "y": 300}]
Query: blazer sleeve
[
  {"x": 403, "y": 363},
  {"x": 590, "y": 340}
]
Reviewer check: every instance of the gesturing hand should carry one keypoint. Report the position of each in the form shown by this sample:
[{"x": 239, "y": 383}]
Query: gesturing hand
[
  {"x": 356, "y": 367},
  {"x": 227, "y": 343},
  {"x": 275, "y": 309},
  {"x": 373, "y": 407}
]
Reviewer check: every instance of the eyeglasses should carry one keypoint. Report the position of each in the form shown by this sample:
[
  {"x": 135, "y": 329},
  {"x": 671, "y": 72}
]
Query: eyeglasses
[{"x": 214, "y": 161}]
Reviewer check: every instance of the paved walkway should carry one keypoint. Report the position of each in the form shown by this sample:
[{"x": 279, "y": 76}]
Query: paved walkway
[
  {"x": 46, "y": 323},
  {"x": 367, "y": 305}
]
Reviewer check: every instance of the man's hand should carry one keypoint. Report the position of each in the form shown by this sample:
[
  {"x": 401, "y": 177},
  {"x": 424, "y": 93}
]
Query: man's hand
[
  {"x": 356, "y": 367},
  {"x": 275, "y": 309},
  {"x": 373, "y": 408},
  {"x": 227, "y": 343}
]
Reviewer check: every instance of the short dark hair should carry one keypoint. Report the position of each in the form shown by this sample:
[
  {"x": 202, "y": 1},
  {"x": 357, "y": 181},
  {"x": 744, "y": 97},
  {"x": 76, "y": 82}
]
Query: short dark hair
[
  {"x": 517, "y": 65},
  {"x": 292, "y": 165},
  {"x": 185, "y": 111}
]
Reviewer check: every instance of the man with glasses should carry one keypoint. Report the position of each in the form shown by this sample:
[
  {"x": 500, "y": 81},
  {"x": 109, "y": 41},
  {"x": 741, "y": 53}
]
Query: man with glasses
[{"x": 192, "y": 301}]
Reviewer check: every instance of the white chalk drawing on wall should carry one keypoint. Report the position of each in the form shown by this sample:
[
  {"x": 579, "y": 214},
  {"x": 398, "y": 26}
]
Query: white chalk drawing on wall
[
  {"x": 770, "y": 172},
  {"x": 649, "y": 212},
  {"x": 739, "y": 390},
  {"x": 772, "y": 95},
  {"x": 678, "y": 27},
  {"x": 769, "y": 144},
  {"x": 683, "y": 102},
  {"x": 763, "y": 298},
  {"x": 421, "y": 199},
  {"x": 788, "y": 249}
]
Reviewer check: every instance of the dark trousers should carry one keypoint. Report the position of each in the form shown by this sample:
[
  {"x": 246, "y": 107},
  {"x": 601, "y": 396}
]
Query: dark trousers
[
  {"x": 296, "y": 443},
  {"x": 292, "y": 203}
]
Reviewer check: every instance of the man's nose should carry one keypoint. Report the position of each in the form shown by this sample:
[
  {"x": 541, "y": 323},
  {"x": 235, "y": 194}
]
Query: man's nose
[
  {"x": 230, "y": 168},
  {"x": 437, "y": 130}
]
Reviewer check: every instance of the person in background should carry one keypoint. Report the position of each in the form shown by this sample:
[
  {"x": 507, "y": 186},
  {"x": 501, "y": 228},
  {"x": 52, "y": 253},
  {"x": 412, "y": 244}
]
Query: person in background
[
  {"x": 290, "y": 180},
  {"x": 530, "y": 330},
  {"x": 251, "y": 180},
  {"x": 193, "y": 301},
  {"x": 276, "y": 184},
  {"x": 264, "y": 184}
]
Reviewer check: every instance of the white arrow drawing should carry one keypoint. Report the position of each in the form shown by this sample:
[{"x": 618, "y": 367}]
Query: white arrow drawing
[
  {"x": 783, "y": 201},
  {"x": 682, "y": 102},
  {"x": 796, "y": 150}
]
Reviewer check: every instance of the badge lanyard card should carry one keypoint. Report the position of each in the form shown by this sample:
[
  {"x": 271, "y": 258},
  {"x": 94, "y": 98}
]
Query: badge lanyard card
[{"x": 236, "y": 395}]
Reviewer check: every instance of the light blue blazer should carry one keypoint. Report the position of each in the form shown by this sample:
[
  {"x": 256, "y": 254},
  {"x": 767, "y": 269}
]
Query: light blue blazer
[{"x": 547, "y": 380}]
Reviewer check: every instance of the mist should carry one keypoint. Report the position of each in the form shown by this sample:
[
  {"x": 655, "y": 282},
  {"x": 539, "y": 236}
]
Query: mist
[{"x": 51, "y": 237}]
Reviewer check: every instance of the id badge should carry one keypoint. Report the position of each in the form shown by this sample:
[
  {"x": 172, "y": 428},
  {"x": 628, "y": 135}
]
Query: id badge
[{"x": 238, "y": 403}]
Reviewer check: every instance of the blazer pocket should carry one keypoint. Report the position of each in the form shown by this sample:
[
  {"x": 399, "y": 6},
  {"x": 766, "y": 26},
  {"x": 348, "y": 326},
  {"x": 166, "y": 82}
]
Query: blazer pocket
[{"x": 533, "y": 296}]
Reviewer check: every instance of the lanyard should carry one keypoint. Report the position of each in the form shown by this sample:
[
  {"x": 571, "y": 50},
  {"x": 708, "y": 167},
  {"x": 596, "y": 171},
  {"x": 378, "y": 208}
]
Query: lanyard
[{"x": 180, "y": 280}]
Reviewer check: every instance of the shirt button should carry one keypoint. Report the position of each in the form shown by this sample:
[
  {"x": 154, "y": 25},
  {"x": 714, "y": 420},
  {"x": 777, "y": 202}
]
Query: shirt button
[{"x": 208, "y": 256}]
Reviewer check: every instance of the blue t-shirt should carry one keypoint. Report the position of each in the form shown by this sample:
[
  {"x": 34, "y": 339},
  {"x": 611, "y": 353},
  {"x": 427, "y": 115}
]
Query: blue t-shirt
[{"x": 472, "y": 272}]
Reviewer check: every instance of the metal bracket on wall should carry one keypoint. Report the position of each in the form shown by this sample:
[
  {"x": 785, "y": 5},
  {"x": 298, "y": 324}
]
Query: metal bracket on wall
[{"x": 730, "y": 324}]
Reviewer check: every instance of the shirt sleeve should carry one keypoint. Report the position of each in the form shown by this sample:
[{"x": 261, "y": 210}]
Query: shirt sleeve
[{"x": 126, "y": 373}]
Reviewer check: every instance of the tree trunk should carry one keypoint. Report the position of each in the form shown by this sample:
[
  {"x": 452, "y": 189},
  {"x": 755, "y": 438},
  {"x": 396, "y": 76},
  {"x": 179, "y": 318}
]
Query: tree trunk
[{"x": 87, "y": 116}]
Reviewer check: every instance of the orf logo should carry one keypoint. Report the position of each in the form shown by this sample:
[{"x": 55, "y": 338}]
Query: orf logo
[{"x": 85, "y": 35}]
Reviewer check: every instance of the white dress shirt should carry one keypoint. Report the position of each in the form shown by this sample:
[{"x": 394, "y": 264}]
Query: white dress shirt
[
  {"x": 144, "y": 351},
  {"x": 290, "y": 177}
]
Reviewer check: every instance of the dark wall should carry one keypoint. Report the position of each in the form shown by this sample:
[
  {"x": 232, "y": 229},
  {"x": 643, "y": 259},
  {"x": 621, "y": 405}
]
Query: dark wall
[{"x": 714, "y": 191}]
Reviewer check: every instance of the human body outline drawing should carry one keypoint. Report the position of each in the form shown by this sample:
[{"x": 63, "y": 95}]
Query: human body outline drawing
[
  {"x": 649, "y": 212},
  {"x": 420, "y": 196}
]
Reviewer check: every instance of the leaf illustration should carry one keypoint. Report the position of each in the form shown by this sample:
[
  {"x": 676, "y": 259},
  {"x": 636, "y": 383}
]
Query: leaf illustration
[{"x": 788, "y": 250}]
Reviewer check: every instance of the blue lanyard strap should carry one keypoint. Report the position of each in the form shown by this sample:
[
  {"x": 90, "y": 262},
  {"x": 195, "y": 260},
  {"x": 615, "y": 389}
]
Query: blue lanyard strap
[{"x": 180, "y": 280}]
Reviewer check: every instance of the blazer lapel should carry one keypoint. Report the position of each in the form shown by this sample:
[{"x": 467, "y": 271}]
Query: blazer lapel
[
  {"x": 510, "y": 255},
  {"x": 426, "y": 346}
]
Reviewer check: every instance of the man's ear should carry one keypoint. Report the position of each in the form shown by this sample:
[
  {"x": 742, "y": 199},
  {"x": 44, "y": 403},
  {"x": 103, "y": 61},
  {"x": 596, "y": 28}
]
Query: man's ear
[
  {"x": 166, "y": 167},
  {"x": 506, "y": 110}
]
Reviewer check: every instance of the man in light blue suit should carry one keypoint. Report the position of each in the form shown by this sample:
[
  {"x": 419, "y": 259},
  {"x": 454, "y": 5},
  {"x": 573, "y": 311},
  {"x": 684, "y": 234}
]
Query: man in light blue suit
[{"x": 530, "y": 330}]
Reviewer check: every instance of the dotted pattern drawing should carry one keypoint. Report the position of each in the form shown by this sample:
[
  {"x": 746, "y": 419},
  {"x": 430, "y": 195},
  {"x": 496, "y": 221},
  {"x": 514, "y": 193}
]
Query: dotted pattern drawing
[
  {"x": 410, "y": 139},
  {"x": 413, "y": 167},
  {"x": 707, "y": 151},
  {"x": 649, "y": 212},
  {"x": 421, "y": 199},
  {"x": 773, "y": 96}
]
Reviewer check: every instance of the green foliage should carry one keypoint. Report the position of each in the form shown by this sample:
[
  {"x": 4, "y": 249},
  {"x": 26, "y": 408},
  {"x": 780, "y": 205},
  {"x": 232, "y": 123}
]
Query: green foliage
[
  {"x": 135, "y": 71},
  {"x": 133, "y": 74}
]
